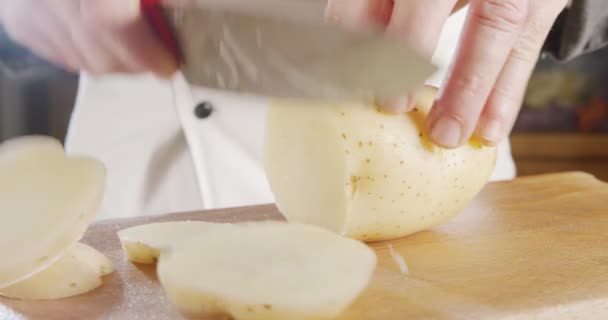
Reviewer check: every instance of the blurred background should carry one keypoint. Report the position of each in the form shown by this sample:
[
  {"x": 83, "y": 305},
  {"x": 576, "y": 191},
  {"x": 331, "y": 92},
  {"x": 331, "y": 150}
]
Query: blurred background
[
  {"x": 35, "y": 97},
  {"x": 563, "y": 125}
]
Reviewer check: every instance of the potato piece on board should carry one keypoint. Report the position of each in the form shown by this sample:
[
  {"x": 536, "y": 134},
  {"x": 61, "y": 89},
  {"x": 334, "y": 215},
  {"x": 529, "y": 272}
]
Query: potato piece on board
[
  {"x": 367, "y": 174},
  {"x": 47, "y": 201},
  {"x": 78, "y": 270},
  {"x": 144, "y": 243},
  {"x": 97, "y": 261},
  {"x": 267, "y": 270}
]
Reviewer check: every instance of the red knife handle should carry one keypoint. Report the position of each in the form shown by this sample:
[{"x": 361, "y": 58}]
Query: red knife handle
[{"x": 157, "y": 20}]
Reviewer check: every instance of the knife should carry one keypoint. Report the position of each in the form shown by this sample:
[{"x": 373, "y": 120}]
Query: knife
[{"x": 283, "y": 49}]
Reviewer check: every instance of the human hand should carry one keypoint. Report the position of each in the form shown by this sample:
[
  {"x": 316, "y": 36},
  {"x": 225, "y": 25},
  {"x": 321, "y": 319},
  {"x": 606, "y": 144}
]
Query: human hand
[
  {"x": 98, "y": 36},
  {"x": 487, "y": 80}
]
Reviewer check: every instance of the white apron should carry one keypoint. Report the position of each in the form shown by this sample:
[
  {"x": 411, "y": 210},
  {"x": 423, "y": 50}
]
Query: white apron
[{"x": 129, "y": 123}]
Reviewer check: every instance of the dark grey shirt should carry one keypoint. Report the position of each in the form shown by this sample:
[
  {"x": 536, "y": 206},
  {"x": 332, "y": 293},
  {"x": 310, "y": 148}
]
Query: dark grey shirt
[{"x": 580, "y": 29}]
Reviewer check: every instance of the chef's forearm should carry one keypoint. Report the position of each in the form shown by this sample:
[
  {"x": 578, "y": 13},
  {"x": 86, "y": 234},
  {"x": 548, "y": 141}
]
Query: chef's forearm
[{"x": 581, "y": 28}]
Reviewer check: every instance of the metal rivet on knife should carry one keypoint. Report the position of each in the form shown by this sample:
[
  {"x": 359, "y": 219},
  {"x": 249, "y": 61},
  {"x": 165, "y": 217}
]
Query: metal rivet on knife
[{"x": 203, "y": 110}]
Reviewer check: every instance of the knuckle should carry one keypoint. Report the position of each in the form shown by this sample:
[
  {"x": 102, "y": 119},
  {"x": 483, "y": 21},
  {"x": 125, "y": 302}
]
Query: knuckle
[
  {"x": 538, "y": 27},
  {"x": 528, "y": 45},
  {"x": 470, "y": 85},
  {"x": 550, "y": 8},
  {"x": 526, "y": 50},
  {"x": 504, "y": 15},
  {"x": 505, "y": 91},
  {"x": 531, "y": 39}
]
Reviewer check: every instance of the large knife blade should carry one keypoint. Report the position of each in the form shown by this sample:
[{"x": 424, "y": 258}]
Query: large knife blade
[{"x": 237, "y": 46}]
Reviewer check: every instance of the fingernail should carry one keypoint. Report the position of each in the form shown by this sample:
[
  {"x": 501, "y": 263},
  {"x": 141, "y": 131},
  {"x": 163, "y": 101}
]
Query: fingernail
[
  {"x": 491, "y": 131},
  {"x": 447, "y": 132},
  {"x": 397, "y": 105}
]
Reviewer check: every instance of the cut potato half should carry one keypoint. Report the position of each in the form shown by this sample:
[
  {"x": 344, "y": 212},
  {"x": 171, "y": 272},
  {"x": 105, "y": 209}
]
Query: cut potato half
[
  {"x": 267, "y": 270},
  {"x": 367, "y": 174},
  {"x": 144, "y": 243},
  {"x": 77, "y": 271},
  {"x": 47, "y": 201}
]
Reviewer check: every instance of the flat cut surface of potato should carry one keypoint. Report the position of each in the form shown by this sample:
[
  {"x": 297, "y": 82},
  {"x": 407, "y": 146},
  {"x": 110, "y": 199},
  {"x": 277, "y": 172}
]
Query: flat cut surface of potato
[
  {"x": 77, "y": 271},
  {"x": 144, "y": 243},
  {"x": 367, "y": 174},
  {"x": 267, "y": 270},
  {"x": 47, "y": 201}
]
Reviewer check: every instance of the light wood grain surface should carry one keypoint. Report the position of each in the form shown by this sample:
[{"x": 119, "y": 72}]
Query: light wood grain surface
[
  {"x": 533, "y": 248},
  {"x": 539, "y": 153}
]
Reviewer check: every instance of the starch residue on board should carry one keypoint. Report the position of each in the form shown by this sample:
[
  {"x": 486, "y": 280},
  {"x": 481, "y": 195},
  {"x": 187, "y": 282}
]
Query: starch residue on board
[{"x": 398, "y": 259}]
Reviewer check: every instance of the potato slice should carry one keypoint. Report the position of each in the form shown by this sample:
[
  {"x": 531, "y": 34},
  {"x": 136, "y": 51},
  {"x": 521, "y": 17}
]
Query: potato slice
[
  {"x": 267, "y": 270},
  {"x": 366, "y": 174},
  {"x": 144, "y": 243},
  {"x": 47, "y": 201},
  {"x": 77, "y": 271},
  {"x": 96, "y": 260}
]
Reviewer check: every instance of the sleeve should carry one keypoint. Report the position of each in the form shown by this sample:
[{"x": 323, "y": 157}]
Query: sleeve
[{"x": 581, "y": 28}]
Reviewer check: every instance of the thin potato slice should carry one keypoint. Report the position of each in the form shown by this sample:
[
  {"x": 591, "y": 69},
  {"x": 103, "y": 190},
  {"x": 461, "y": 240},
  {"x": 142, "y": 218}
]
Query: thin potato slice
[
  {"x": 267, "y": 271},
  {"x": 77, "y": 271},
  {"x": 144, "y": 243},
  {"x": 47, "y": 201}
]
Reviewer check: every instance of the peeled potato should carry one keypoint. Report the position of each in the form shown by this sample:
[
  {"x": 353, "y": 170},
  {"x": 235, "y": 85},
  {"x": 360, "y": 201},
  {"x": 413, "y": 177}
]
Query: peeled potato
[
  {"x": 143, "y": 243},
  {"x": 267, "y": 271},
  {"x": 366, "y": 174},
  {"x": 47, "y": 201},
  {"x": 77, "y": 271}
]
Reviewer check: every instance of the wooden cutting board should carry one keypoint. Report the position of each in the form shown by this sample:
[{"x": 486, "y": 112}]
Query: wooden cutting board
[{"x": 533, "y": 248}]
